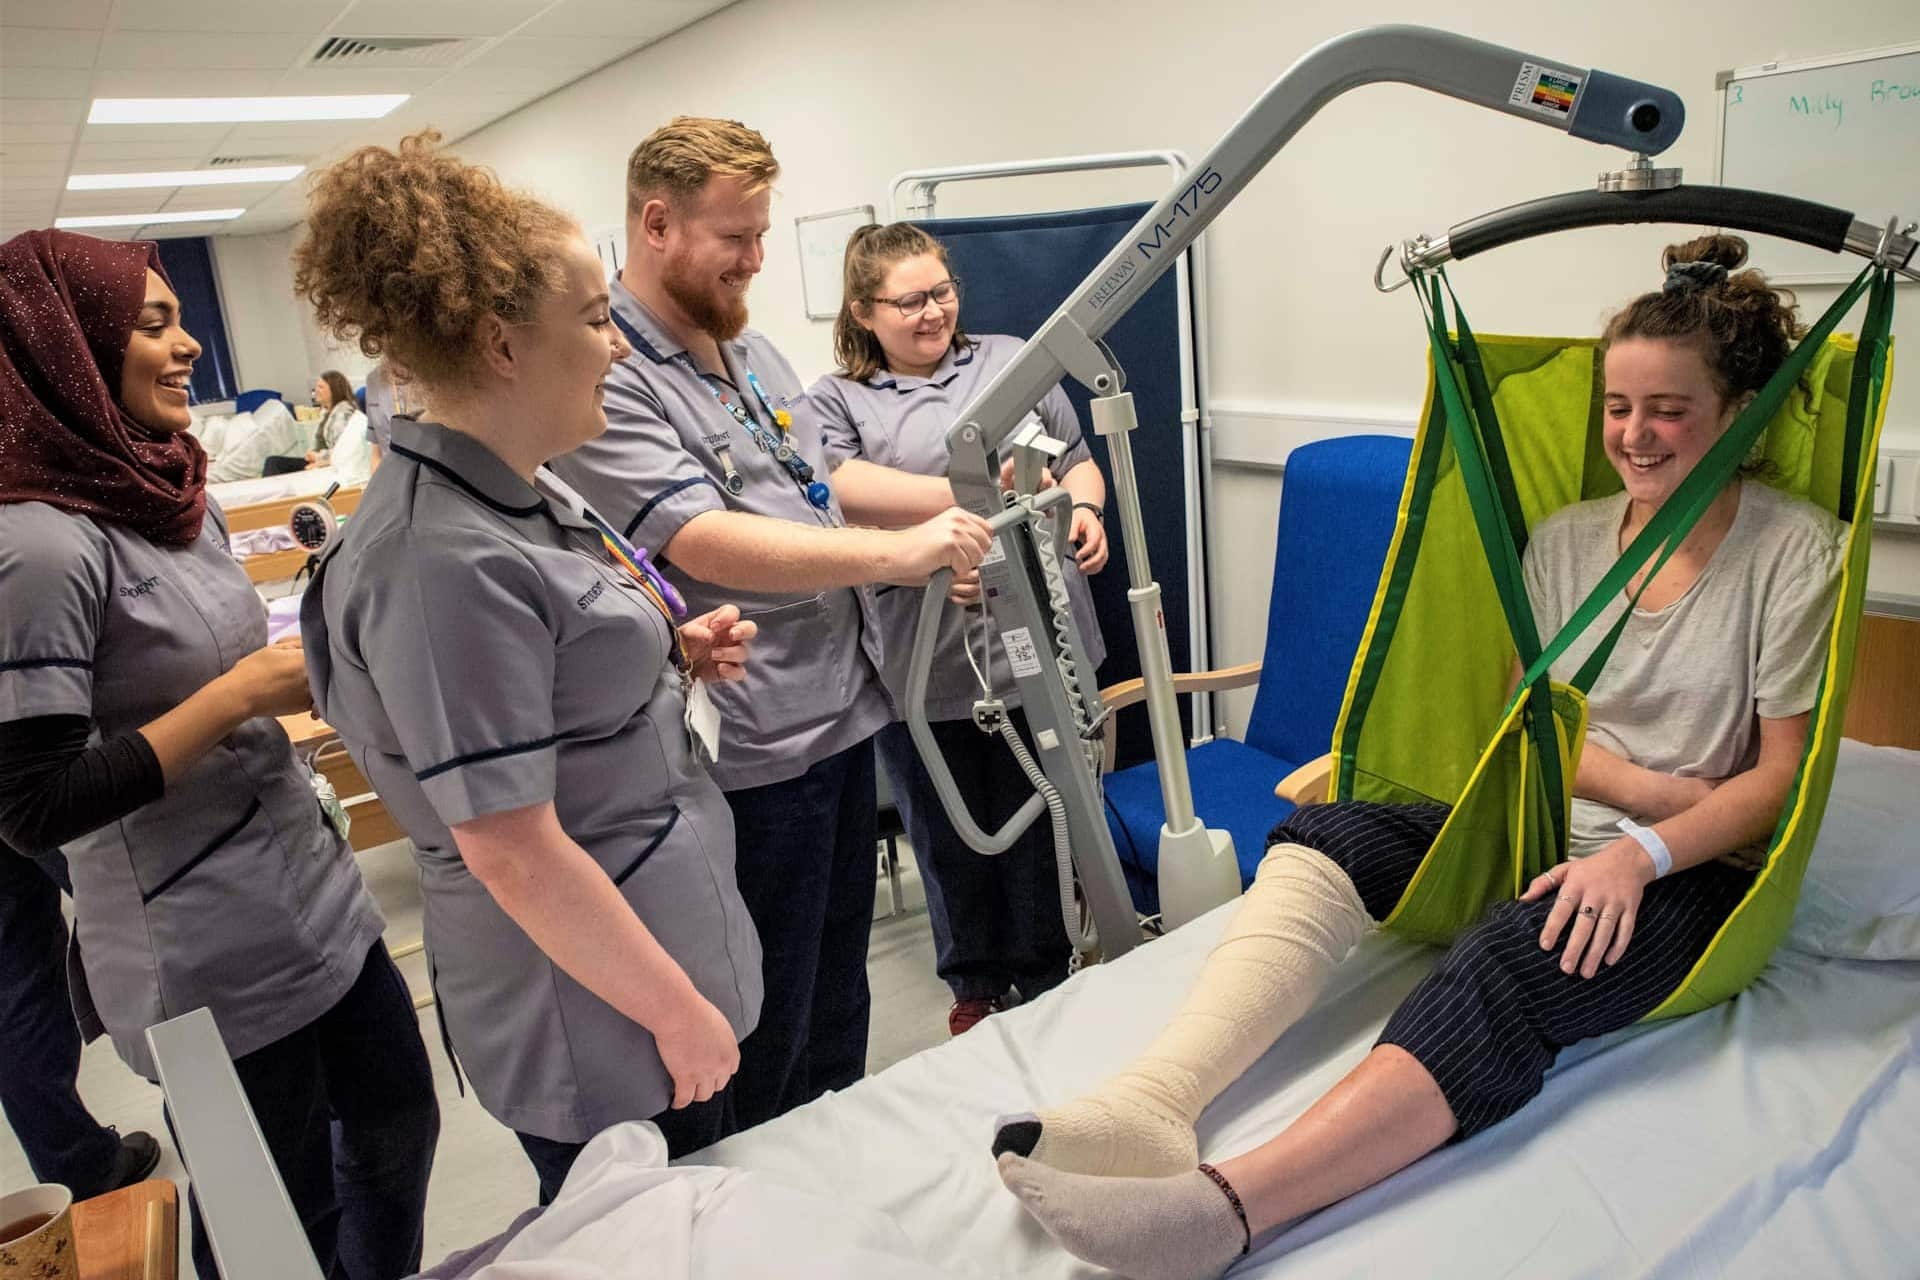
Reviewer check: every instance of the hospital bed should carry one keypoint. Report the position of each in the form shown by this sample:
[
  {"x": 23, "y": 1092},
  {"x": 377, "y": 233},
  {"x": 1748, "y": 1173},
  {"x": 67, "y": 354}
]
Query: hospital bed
[
  {"x": 1773, "y": 1135},
  {"x": 1769, "y": 1136}
]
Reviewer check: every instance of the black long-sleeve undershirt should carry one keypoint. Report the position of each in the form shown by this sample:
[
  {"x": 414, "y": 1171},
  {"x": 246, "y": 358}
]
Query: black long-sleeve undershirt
[{"x": 55, "y": 788}]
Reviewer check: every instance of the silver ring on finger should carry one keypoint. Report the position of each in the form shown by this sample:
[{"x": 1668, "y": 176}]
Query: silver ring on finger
[{"x": 1588, "y": 910}]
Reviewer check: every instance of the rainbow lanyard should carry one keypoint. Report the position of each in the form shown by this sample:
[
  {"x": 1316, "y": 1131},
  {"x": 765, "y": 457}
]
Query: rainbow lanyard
[
  {"x": 781, "y": 450},
  {"x": 639, "y": 566}
]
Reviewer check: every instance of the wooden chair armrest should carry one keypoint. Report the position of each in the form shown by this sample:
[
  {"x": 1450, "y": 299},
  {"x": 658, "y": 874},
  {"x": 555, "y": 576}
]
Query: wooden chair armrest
[
  {"x": 1116, "y": 698},
  {"x": 1310, "y": 784}
]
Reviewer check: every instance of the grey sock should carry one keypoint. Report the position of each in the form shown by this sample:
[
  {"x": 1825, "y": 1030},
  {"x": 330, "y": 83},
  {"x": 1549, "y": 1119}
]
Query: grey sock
[{"x": 1178, "y": 1228}]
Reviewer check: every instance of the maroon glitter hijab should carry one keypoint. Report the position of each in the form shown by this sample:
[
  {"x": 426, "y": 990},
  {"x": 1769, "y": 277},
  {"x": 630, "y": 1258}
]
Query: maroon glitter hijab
[{"x": 68, "y": 304}]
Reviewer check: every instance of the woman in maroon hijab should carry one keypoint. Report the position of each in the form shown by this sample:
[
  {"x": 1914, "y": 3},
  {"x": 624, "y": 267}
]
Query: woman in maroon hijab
[{"x": 137, "y": 732}]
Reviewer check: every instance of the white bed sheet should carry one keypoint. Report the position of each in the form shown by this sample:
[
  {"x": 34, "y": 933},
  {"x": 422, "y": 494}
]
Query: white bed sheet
[
  {"x": 288, "y": 484},
  {"x": 1777, "y": 1135}
]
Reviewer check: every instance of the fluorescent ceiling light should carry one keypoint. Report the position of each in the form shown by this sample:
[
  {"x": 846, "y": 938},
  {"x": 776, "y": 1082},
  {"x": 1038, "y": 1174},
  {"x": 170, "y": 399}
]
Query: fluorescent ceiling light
[
  {"x": 347, "y": 106},
  {"x": 182, "y": 178},
  {"x": 146, "y": 219}
]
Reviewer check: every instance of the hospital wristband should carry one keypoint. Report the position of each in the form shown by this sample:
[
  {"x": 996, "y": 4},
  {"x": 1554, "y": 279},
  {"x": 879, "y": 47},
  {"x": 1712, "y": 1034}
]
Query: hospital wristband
[{"x": 1649, "y": 839}]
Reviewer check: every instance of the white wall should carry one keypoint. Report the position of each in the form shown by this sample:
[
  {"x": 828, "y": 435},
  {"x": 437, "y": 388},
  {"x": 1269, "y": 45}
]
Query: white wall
[
  {"x": 274, "y": 339},
  {"x": 851, "y": 92}
]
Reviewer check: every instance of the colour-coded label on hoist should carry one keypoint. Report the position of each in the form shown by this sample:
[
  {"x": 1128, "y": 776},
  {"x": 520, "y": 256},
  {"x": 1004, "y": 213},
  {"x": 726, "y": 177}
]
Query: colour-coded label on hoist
[
  {"x": 1546, "y": 90},
  {"x": 1022, "y": 655}
]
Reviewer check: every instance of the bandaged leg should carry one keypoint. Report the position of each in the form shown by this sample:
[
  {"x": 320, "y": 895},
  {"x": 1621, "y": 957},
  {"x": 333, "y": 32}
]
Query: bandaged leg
[{"x": 1298, "y": 920}]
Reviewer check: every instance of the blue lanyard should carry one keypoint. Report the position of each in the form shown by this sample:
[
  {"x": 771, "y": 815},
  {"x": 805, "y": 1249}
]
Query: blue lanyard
[{"x": 781, "y": 450}]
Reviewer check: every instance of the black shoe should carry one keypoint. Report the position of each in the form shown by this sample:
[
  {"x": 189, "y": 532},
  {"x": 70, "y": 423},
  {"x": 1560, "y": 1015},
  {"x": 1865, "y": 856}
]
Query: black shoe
[{"x": 138, "y": 1156}]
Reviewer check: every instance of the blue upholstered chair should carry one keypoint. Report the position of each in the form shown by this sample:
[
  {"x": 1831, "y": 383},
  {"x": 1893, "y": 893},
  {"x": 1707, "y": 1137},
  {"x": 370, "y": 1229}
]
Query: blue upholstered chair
[
  {"x": 1337, "y": 509},
  {"x": 248, "y": 401}
]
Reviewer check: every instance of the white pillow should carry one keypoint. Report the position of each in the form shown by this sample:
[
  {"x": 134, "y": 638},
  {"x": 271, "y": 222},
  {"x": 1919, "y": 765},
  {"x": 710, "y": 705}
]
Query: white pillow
[
  {"x": 1861, "y": 897},
  {"x": 212, "y": 431}
]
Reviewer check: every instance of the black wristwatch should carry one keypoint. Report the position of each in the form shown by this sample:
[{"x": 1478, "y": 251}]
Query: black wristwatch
[{"x": 1099, "y": 513}]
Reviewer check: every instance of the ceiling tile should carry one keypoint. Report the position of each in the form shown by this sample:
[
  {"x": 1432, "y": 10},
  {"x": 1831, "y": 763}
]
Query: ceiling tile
[
  {"x": 567, "y": 53},
  {"x": 436, "y": 17},
  {"x": 30, "y": 154},
  {"x": 43, "y": 47},
  {"x": 161, "y": 153},
  {"x": 84, "y": 15},
  {"x": 69, "y": 111},
  {"x": 178, "y": 134},
  {"x": 635, "y": 19},
  {"x": 496, "y": 79},
  {"x": 51, "y": 134},
  {"x": 188, "y": 199},
  {"x": 45, "y": 82},
  {"x": 164, "y": 82},
  {"x": 287, "y": 17},
  {"x": 200, "y": 51},
  {"x": 82, "y": 203},
  {"x": 32, "y": 179},
  {"x": 286, "y": 139}
]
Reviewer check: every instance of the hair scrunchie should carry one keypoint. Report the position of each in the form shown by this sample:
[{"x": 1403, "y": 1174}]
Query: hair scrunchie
[{"x": 1685, "y": 276}]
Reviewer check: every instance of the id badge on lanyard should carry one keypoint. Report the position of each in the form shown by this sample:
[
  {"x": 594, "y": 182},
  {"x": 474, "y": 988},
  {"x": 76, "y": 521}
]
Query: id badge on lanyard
[{"x": 702, "y": 717}]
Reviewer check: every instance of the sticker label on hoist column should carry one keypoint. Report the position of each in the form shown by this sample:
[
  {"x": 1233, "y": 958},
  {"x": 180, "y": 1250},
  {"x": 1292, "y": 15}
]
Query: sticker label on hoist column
[
  {"x": 995, "y": 553},
  {"x": 1022, "y": 656},
  {"x": 1546, "y": 90}
]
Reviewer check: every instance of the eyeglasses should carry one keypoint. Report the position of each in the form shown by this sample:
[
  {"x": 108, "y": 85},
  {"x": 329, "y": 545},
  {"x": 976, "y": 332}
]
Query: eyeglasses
[{"x": 912, "y": 304}]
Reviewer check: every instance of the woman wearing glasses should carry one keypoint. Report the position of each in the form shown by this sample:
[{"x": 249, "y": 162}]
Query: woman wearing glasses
[{"x": 905, "y": 370}]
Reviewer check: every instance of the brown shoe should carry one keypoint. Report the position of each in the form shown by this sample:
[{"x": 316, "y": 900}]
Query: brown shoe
[{"x": 965, "y": 1014}]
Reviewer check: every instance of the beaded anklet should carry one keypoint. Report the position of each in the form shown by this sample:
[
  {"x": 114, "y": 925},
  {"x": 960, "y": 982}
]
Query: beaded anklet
[{"x": 1233, "y": 1198}]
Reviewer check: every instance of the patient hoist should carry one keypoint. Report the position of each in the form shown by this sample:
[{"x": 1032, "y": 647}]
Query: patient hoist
[{"x": 1021, "y": 578}]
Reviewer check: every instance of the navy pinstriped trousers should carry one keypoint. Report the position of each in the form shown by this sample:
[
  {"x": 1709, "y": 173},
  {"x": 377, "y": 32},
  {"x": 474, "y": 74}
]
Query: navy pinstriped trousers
[{"x": 1492, "y": 1016}]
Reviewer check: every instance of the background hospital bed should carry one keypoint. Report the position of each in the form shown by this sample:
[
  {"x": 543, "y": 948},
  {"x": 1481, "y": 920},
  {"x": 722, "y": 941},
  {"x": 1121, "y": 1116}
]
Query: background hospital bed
[
  {"x": 1769, "y": 1136},
  {"x": 272, "y": 513}
]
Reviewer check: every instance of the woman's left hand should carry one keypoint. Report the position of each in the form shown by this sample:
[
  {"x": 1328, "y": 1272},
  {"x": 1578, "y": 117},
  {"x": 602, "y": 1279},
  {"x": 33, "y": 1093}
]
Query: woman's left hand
[
  {"x": 716, "y": 644},
  {"x": 1600, "y": 896},
  {"x": 1089, "y": 539}
]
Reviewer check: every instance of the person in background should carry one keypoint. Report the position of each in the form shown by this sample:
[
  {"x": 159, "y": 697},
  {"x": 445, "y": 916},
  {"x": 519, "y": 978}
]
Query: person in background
[
  {"x": 906, "y": 370},
  {"x": 508, "y": 672},
  {"x": 712, "y": 459},
  {"x": 39, "y": 1074},
  {"x": 334, "y": 396},
  {"x": 138, "y": 699}
]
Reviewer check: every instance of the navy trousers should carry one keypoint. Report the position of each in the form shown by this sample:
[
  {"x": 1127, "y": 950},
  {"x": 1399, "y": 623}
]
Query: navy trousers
[
  {"x": 347, "y": 1108},
  {"x": 805, "y": 860},
  {"x": 996, "y": 919},
  {"x": 63, "y": 1142}
]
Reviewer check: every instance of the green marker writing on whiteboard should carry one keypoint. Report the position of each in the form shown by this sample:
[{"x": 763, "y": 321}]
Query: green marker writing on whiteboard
[{"x": 1818, "y": 104}]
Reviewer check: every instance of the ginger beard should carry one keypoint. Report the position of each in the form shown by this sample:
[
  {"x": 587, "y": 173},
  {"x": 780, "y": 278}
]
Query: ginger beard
[{"x": 714, "y": 306}]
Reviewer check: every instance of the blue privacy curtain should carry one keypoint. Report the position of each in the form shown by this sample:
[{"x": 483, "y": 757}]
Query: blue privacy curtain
[
  {"x": 189, "y": 265},
  {"x": 1015, "y": 272}
]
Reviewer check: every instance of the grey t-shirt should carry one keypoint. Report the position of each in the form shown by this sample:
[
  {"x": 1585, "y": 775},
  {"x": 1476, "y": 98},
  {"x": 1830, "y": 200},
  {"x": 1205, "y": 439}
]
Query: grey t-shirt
[{"x": 1685, "y": 689}]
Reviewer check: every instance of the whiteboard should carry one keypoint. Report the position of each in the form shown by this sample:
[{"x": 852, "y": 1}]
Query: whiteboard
[
  {"x": 1842, "y": 130},
  {"x": 823, "y": 251}
]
